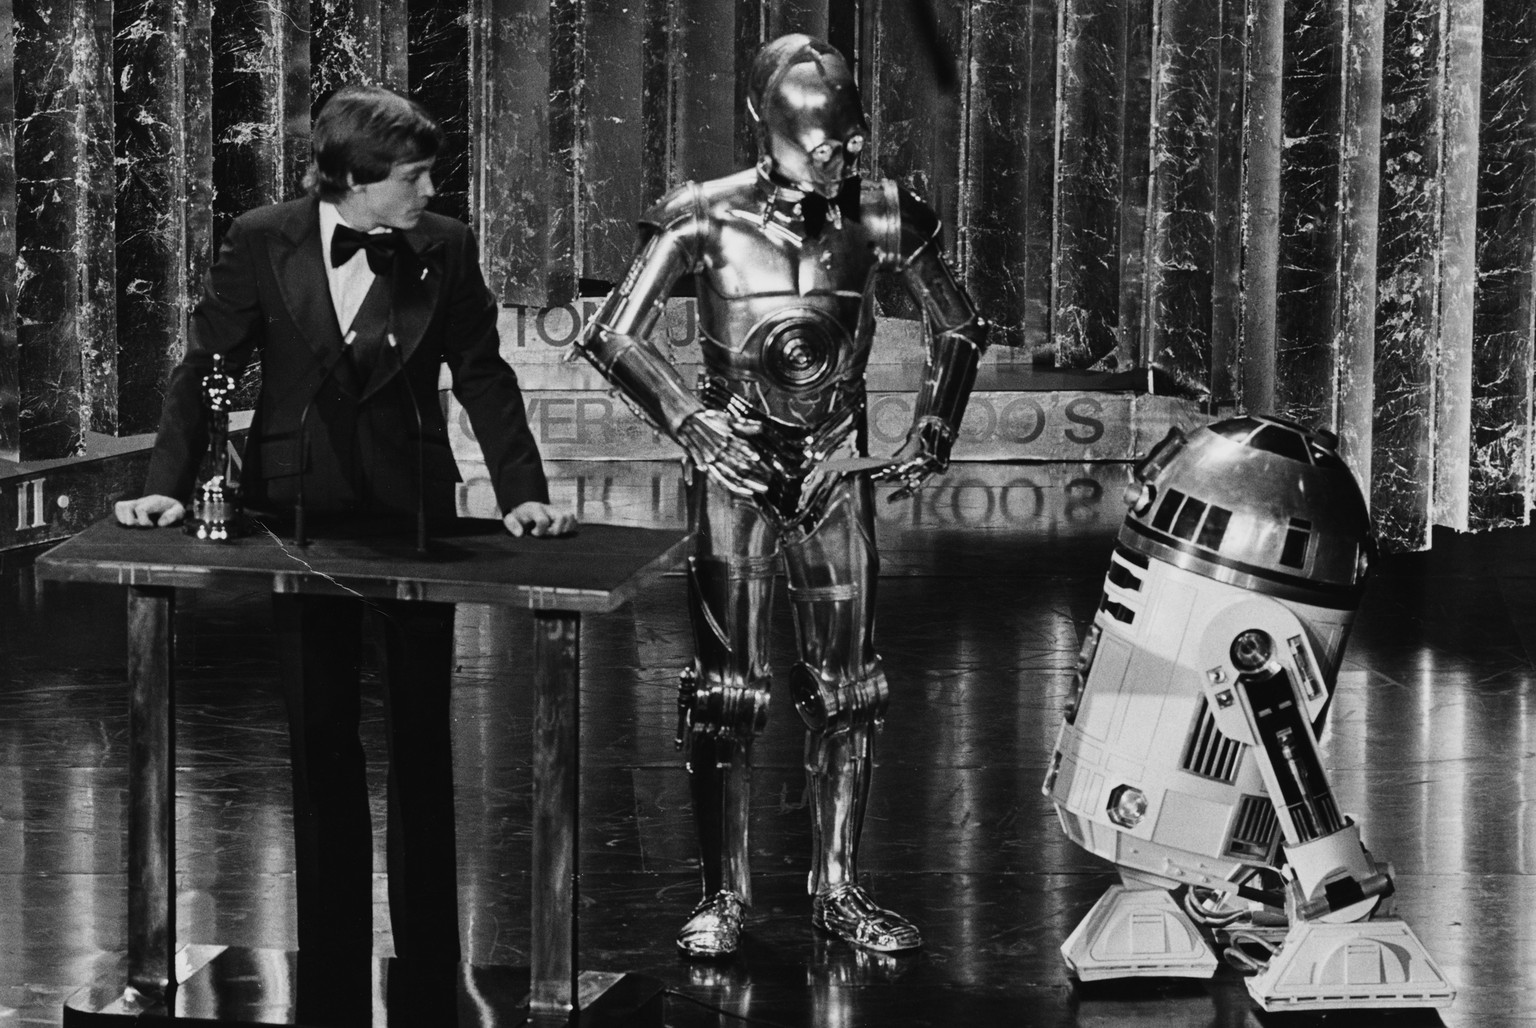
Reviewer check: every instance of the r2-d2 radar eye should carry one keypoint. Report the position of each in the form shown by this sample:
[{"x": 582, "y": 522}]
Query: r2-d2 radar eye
[{"x": 1252, "y": 649}]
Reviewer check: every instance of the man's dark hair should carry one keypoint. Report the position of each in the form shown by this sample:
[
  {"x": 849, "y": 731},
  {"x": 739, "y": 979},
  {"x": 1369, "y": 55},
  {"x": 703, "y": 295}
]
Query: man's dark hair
[{"x": 365, "y": 131}]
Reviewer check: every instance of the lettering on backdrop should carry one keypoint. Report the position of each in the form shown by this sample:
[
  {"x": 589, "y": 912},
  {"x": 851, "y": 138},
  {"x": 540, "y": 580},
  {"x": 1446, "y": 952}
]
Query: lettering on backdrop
[{"x": 558, "y": 327}]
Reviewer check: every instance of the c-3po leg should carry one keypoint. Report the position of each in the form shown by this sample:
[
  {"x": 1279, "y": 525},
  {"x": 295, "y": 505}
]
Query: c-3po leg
[
  {"x": 841, "y": 693},
  {"x": 723, "y": 703}
]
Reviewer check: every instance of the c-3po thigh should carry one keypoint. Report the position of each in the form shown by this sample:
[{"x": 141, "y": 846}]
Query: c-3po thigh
[
  {"x": 838, "y": 685},
  {"x": 723, "y": 703}
]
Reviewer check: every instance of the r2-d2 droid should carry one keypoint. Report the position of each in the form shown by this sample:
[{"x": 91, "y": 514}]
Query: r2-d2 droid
[{"x": 1188, "y": 751}]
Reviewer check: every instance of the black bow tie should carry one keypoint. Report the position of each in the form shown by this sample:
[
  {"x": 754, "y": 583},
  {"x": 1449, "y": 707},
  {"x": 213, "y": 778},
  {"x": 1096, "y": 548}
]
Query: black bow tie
[{"x": 380, "y": 247}]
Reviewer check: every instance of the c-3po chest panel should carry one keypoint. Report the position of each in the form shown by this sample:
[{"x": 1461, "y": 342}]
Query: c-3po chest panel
[{"x": 782, "y": 319}]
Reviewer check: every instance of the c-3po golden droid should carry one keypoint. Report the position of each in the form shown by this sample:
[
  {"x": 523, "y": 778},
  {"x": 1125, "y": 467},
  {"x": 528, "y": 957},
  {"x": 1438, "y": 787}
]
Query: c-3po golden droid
[
  {"x": 784, "y": 256},
  {"x": 1188, "y": 752}
]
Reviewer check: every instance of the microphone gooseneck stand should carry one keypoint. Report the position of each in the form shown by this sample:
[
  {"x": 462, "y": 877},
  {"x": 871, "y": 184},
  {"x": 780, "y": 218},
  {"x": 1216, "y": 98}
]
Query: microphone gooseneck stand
[{"x": 421, "y": 474}]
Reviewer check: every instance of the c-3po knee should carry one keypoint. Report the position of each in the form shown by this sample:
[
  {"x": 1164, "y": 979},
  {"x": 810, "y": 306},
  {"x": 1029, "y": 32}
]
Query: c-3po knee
[
  {"x": 832, "y": 704},
  {"x": 720, "y": 705}
]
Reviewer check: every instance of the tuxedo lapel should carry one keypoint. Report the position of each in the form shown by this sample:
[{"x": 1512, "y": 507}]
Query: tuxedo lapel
[{"x": 300, "y": 270}]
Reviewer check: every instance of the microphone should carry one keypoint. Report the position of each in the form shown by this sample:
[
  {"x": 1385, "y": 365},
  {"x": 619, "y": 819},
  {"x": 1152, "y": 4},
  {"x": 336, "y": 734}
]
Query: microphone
[
  {"x": 299, "y": 536},
  {"x": 421, "y": 474}
]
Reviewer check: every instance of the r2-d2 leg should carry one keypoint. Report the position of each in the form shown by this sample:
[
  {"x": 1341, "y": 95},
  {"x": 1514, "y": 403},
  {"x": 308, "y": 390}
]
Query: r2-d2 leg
[{"x": 1342, "y": 948}]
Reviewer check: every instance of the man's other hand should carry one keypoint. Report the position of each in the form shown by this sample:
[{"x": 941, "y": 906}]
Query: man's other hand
[
  {"x": 149, "y": 512},
  {"x": 533, "y": 518}
]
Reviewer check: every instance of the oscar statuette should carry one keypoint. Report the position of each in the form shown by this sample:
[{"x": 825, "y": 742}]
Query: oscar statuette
[{"x": 216, "y": 514}]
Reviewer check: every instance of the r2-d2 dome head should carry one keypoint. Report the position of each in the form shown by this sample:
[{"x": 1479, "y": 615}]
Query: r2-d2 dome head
[
  {"x": 810, "y": 122},
  {"x": 1258, "y": 502}
]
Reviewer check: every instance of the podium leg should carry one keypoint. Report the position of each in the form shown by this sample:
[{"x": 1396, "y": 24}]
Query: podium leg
[
  {"x": 151, "y": 792},
  {"x": 556, "y": 765}
]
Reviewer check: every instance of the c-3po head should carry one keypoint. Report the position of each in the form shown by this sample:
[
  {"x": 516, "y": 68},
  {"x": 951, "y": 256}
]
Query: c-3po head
[{"x": 810, "y": 122}]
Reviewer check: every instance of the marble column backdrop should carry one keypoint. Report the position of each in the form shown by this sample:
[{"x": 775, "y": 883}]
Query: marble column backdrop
[
  {"x": 516, "y": 208},
  {"x": 1408, "y": 273},
  {"x": 152, "y": 204},
  {"x": 438, "y": 75},
  {"x": 1187, "y": 197},
  {"x": 357, "y": 41},
  {"x": 1361, "y": 195},
  {"x": 1252, "y": 381},
  {"x": 97, "y": 327},
  {"x": 916, "y": 113},
  {"x": 10, "y": 371},
  {"x": 1005, "y": 177},
  {"x": 1504, "y": 320},
  {"x": 1460, "y": 85},
  {"x": 247, "y": 107},
  {"x": 49, "y": 69},
  {"x": 1310, "y": 224},
  {"x": 1104, "y": 114}
]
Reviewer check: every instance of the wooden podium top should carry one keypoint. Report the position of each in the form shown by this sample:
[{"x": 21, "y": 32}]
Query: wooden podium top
[{"x": 595, "y": 570}]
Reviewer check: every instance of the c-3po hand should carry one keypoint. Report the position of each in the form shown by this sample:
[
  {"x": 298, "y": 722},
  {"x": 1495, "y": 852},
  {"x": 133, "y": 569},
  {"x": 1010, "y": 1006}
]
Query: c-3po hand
[
  {"x": 712, "y": 441},
  {"x": 912, "y": 466}
]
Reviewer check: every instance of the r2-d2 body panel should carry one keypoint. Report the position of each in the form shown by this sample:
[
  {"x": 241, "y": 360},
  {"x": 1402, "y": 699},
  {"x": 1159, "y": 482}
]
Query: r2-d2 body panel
[
  {"x": 1249, "y": 508},
  {"x": 1188, "y": 752}
]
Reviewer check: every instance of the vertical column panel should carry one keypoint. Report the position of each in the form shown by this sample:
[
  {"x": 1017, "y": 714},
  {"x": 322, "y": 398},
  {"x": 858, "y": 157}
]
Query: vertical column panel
[
  {"x": 706, "y": 110},
  {"x": 247, "y": 106},
  {"x": 438, "y": 76},
  {"x": 516, "y": 205},
  {"x": 1408, "y": 250},
  {"x": 1229, "y": 196},
  {"x": 1011, "y": 70},
  {"x": 661, "y": 61},
  {"x": 292, "y": 23},
  {"x": 1307, "y": 282},
  {"x": 1461, "y": 84},
  {"x": 10, "y": 371},
  {"x": 98, "y": 340},
  {"x": 1504, "y": 322},
  {"x": 48, "y": 266},
  {"x": 152, "y": 206},
  {"x": 1263, "y": 137},
  {"x": 197, "y": 153},
  {"x": 916, "y": 112},
  {"x": 567, "y": 150},
  {"x": 1182, "y": 220},
  {"x": 1100, "y": 191},
  {"x": 1356, "y": 325},
  {"x": 346, "y": 44},
  {"x": 611, "y": 193}
]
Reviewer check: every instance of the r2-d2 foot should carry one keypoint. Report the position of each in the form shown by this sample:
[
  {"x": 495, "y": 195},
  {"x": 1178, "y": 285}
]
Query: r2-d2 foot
[{"x": 1188, "y": 750}]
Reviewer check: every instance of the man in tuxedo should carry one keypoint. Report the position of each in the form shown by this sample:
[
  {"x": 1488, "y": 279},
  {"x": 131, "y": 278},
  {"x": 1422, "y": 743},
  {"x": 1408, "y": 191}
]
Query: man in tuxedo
[{"x": 352, "y": 298}]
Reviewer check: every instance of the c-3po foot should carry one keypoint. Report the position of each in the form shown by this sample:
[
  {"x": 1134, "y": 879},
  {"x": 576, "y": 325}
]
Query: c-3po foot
[
  {"x": 713, "y": 930},
  {"x": 847, "y": 912}
]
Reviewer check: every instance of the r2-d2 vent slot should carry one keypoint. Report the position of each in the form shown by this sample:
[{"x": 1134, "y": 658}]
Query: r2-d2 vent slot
[
  {"x": 1209, "y": 753},
  {"x": 1124, "y": 577},
  {"x": 1254, "y": 830},
  {"x": 1117, "y": 610}
]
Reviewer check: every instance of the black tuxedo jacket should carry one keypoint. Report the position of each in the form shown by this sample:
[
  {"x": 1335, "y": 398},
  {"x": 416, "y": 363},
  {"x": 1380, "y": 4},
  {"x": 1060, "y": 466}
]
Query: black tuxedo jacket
[{"x": 267, "y": 296}]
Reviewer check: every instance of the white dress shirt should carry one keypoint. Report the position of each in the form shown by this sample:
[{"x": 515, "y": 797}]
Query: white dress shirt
[{"x": 350, "y": 282}]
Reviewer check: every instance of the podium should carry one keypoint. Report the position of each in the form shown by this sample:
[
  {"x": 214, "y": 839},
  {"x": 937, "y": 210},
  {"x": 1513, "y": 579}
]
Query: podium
[{"x": 559, "y": 579}]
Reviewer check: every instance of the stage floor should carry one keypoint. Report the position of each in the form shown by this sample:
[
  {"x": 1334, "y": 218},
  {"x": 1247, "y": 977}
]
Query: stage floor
[{"x": 985, "y": 588}]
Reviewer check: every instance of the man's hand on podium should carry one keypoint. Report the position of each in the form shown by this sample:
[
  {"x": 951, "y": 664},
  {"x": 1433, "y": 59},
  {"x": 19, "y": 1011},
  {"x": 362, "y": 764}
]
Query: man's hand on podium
[
  {"x": 533, "y": 518},
  {"x": 149, "y": 512}
]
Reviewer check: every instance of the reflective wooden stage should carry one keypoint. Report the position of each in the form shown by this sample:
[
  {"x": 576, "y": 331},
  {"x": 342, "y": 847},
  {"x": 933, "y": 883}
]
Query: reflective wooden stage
[{"x": 986, "y": 585}]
